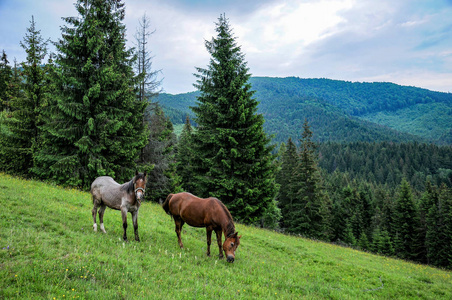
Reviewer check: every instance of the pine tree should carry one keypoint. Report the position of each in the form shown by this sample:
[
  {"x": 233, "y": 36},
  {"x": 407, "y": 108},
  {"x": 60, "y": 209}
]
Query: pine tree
[
  {"x": 25, "y": 118},
  {"x": 96, "y": 126},
  {"x": 438, "y": 238},
  {"x": 428, "y": 201},
  {"x": 5, "y": 78},
  {"x": 233, "y": 156},
  {"x": 285, "y": 179},
  {"x": 382, "y": 243},
  {"x": 149, "y": 86},
  {"x": 406, "y": 224},
  {"x": 311, "y": 206},
  {"x": 10, "y": 161},
  {"x": 184, "y": 156},
  {"x": 159, "y": 153}
]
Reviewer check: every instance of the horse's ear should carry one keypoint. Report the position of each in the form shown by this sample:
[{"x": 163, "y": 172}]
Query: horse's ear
[
  {"x": 145, "y": 174},
  {"x": 136, "y": 172},
  {"x": 235, "y": 235}
]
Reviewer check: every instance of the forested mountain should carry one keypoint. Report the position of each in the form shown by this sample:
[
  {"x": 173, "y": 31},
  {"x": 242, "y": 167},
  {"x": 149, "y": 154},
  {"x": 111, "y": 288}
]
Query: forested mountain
[{"x": 341, "y": 111}]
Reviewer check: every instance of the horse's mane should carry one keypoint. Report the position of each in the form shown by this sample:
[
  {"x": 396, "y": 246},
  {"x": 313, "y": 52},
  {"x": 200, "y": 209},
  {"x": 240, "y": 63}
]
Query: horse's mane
[
  {"x": 230, "y": 228},
  {"x": 129, "y": 186}
]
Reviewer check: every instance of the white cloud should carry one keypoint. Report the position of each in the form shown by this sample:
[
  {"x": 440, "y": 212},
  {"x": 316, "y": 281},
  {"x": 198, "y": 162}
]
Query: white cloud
[
  {"x": 290, "y": 23},
  {"x": 400, "y": 41}
]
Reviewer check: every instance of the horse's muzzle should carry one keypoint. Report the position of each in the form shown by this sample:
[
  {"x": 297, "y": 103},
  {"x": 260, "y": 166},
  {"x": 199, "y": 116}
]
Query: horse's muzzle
[{"x": 230, "y": 259}]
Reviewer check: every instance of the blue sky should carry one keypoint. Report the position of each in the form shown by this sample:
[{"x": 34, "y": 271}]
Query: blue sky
[{"x": 407, "y": 42}]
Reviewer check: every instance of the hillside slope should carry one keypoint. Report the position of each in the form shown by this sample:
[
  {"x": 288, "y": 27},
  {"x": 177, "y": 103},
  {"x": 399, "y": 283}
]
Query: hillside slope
[
  {"x": 50, "y": 251},
  {"x": 341, "y": 111}
]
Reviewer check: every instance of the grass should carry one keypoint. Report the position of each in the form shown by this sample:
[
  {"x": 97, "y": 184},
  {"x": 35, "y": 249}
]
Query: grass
[{"x": 48, "y": 250}]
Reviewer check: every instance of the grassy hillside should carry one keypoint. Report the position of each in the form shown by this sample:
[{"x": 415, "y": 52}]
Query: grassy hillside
[{"x": 49, "y": 251}]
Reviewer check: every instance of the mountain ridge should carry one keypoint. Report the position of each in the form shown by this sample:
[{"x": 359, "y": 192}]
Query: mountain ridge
[{"x": 340, "y": 111}]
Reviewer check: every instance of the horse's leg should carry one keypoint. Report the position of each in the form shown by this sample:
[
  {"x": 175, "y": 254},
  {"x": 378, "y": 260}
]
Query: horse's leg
[
  {"x": 124, "y": 222},
  {"x": 209, "y": 238},
  {"x": 101, "y": 217},
  {"x": 94, "y": 213},
  {"x": 179, "y": 223},
  {"x": 219, "y": 233},
  {"x": 135, "y": 225}
]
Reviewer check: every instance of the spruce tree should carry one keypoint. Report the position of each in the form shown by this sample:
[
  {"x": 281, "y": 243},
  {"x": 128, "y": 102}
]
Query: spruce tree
[
  {"x": 184, "y": 156},
  {"x": 406, "y": 224},
  {"x": 9, "y": 159},
  {"x": 311, "y": 206},
  {"x": 158, "y": 156},
  {"x": 285, "y": 179},
  {"x": 233, "y": 156},
  {"x": 428, "y": 201},
  {"x": 5, "y": 78},
  {"x": 96, "y": 125},
  {"x": 25, "y": 117},
  {"x": 438, "y": 238}
]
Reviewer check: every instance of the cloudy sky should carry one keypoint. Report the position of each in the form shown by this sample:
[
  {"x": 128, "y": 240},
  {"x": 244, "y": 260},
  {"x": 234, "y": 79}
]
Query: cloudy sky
[{"x": 408, "y": 42}]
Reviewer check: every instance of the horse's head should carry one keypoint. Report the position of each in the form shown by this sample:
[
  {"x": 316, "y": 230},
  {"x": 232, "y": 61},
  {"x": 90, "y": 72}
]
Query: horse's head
[
  {"x": 139, "y": 185},
  {"x": 230, "y": 245}
]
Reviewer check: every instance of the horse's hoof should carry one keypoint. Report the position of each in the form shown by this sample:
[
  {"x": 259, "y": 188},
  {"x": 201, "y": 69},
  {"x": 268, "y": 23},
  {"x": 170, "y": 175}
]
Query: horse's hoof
[{"x": 95, "y": 227}]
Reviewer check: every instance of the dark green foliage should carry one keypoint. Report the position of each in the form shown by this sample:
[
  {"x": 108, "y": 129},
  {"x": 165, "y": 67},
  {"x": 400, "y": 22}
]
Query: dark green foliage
[
  {"x": 5, "y": 78},
  {"x": 184, "y": 157},
  {"x": 233, "y": 157},
  {"x": 26, "y": 100},
  {"x": 96, "y": 123},
  {"x": 305, "y": 207},
  {"x": 160, "y": 154},
  {"x": 406, "y": 224},
  {"x": 438, "y": 221},
  {"x": 387, "y": 163},
  {"x": 382, "y": 243},
  {"x": 11, "y": 161},
  {"x": 286, "y": 180}
]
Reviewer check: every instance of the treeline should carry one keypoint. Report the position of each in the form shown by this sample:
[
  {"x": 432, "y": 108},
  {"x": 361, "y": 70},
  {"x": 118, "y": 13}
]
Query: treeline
[
  {"x": 392, "y": 219},
  {"x": 80, "y": 113},
  {"x": 387, "y": 163}
]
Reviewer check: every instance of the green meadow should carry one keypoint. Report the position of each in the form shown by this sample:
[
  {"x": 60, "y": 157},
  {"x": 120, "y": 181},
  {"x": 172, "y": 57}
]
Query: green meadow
[{"x": 48, "y": 250}]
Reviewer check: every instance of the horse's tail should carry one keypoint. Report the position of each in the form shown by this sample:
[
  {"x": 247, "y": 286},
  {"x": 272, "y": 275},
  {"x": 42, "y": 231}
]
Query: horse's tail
[{"x": 165, "y": 204}]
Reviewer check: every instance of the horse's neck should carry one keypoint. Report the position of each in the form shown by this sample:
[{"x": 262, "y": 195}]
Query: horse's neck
[
  {"x": 228, "y": 228},
  {"x": 128, "y": 187}
]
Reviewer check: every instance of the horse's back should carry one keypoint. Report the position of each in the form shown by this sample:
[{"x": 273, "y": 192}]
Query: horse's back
[
  {"x": 107, "y": 190},
  {"x": 103, "y": 181},
  {"x": 195, "y": 211}
]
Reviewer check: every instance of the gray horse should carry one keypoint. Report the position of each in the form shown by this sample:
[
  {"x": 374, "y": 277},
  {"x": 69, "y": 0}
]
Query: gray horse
[{"x": 124, "y": 197}]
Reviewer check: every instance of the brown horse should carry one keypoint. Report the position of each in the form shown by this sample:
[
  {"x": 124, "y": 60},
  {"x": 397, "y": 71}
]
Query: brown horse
[
  {"x": 209, "y": 213},
  {"x": 124, "y": 197}
]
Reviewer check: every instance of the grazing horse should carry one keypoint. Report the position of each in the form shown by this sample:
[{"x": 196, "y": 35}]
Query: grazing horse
[
  {"x": 124, "y": 197},
  {"x": 210, "y": 213}
]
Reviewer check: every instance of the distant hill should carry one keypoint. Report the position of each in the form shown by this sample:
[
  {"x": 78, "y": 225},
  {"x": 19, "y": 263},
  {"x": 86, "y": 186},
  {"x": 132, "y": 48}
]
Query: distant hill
[{"x": 341, "y": 111}]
